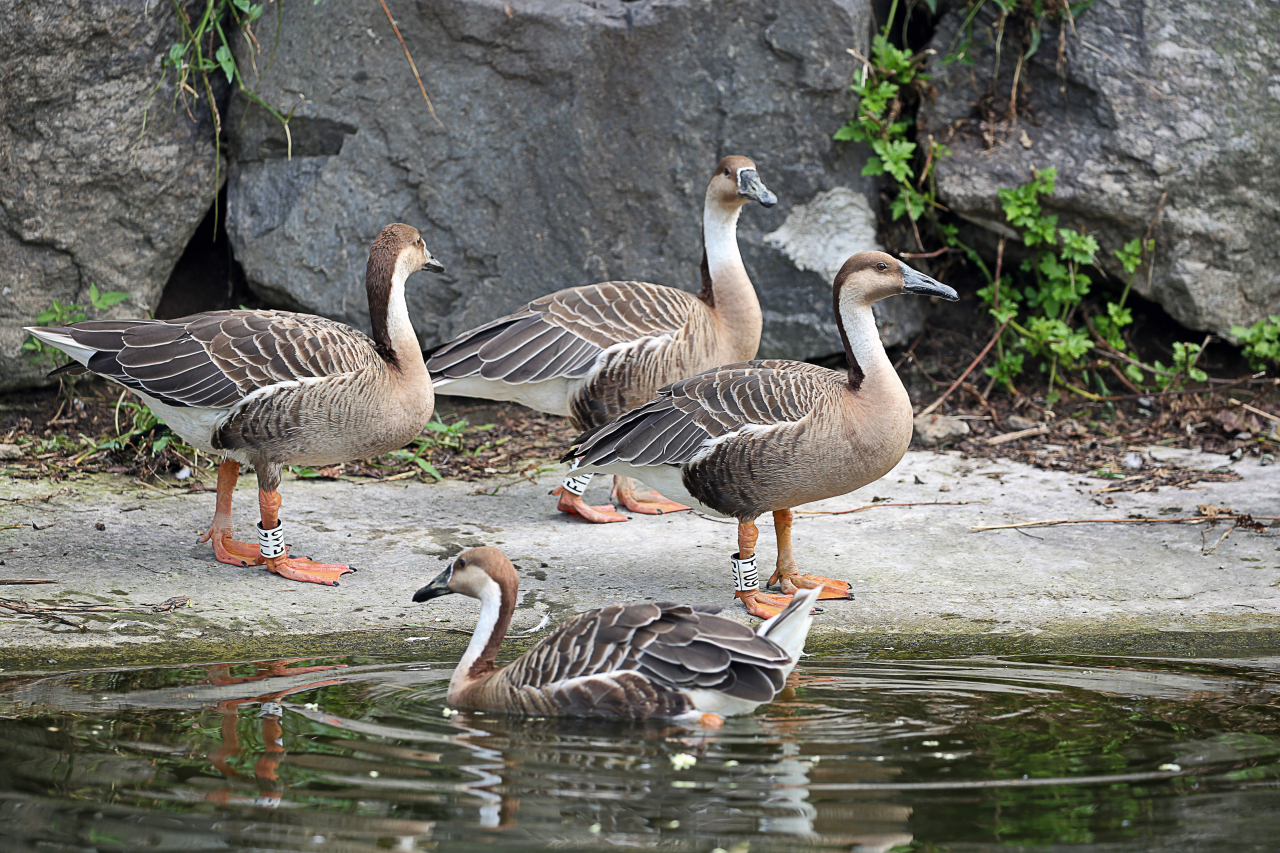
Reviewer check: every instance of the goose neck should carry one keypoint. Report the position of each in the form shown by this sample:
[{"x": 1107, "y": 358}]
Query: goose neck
[
  {"x": 496, "y": 608},
  {"x": 862, "y": 347},
  {"x": 393, "y": 334},
  {"x": 726, "y": 287}
]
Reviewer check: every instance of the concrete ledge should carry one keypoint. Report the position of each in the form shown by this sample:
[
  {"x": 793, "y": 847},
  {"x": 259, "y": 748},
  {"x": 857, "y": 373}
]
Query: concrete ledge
[{"x": 926, "y": 584}]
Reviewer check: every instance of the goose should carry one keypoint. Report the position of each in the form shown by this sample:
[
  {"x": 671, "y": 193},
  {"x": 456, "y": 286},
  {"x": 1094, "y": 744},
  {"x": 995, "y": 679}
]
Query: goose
[
  {"x": 766, "y": 436},
  {"x": 646, "y": 660},
  {"x": 274, "y": 388},
  {"x": 591, "y": 353}
]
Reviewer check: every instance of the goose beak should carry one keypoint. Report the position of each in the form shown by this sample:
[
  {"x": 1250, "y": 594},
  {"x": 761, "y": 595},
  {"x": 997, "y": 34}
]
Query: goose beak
[
  {"x": 432, "y": 265},
  {"x": 750, "y": 186},
  {"x": 914, "y": 281},
  {"x": 437, "y": 588}
]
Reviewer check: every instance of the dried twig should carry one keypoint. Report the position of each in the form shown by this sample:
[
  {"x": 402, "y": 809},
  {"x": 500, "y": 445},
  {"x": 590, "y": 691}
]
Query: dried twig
[
  {"x": 1191, "y": 520},
  {"x": 24, "y": 580},
  {"x": 1014, "y": 436},
  {"x": 42, "y": 498},
  {"x": 416, "y": 76},
  {"x": 1256, "y": 411},
  {"x": 954, "y": 385},
  {"x": 39, "y": 613},
  {"x": 873, "y": 506}
]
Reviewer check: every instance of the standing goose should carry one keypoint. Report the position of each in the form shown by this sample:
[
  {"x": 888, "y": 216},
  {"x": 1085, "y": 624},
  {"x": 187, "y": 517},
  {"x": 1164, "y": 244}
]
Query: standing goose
[
  {"x": 274, "y": 388},
  {"x": 761, "y": 436},
  {"x": 634, "y": 660},
  {"x": 594, "y": 352}
]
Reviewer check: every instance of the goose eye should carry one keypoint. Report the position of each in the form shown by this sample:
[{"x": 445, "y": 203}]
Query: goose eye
[
  {"x": 882, "y": 266},
  {"x": 459, "y": 564},
  {"x": 728, "y": 171}
]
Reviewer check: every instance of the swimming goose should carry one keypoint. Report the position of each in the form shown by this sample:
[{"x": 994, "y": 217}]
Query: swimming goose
[
  {"x": 274, "y": 388},
  {"x": 593, "y": 352},
  {"x": 633, "y": 660},
  {"x": 766, "y": 436}
]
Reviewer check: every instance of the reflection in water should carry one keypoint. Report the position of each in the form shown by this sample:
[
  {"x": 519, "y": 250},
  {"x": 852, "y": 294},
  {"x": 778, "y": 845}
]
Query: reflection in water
[{"x": 856, "y": 755}]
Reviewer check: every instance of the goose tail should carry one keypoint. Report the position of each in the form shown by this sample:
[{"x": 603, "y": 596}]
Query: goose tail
[
  {"x": 60, "y": 337},
  {"x": 790, "y": 627}
]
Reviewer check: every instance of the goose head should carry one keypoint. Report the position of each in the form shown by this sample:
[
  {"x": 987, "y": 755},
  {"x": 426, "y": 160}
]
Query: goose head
[
  {"x": 399, "y": 252},
  {"x": 481, "y": 573},
  {"x": 737, "y": 182},
  {"x": 871, "y": 276}
]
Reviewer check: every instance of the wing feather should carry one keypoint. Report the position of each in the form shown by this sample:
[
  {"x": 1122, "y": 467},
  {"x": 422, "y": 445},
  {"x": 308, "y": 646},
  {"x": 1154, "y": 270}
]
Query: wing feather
[
  {"x": 583, "y": 321},
  {"x": 673, "y": 428},
  {"x": 217, "y": 358}
]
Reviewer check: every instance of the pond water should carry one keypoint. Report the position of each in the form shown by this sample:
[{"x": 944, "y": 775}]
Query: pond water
[{"x": 346, "y": 754}]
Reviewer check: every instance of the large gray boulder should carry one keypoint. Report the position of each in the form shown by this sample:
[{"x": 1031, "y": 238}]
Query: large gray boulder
[
  {"x": 1171, "y": 96},
  {"x": 574, "y": 144},
  {"x": 86, "y": 198}
]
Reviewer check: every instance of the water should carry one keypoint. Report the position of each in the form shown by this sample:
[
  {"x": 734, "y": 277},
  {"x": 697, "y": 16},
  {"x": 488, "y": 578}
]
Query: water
[{"x": 351, "y": 754}]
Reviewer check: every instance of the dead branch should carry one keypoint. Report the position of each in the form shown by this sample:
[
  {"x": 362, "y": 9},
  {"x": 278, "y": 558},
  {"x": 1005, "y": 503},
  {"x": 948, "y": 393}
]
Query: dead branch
[
  {"x": 873, "y": 506},
  {"x": 1190, "y": 520}
]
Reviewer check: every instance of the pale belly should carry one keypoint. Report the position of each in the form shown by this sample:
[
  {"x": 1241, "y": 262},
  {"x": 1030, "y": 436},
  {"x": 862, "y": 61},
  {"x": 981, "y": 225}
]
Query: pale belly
[{"x": 551, "y": 396}]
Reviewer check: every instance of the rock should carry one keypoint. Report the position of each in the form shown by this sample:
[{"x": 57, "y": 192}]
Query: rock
[
  {"x": 10, "y": 451},
  {"x": 85, "y": 197},
  {"x": 1016, "y": 422},
  {"x": 1162, "y": 97},
  {"x": 938, "y": 430},
  {"x": 574, "y": 144},
  {"x": 821, "y": 235}
]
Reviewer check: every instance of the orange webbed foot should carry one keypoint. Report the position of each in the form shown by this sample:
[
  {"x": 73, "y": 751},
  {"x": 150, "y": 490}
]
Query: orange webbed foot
[
  {"x": 762, "y": 604},
  {"x": 575, "y": 505},
  {"x": 831, "y": 589},
  {"x": 231, "y": 552},
  {"x": 648, "y": 503},
  {"x": 307, "y": 570}
]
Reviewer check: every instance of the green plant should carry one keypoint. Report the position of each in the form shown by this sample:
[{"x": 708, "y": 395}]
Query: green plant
[
  {"x": 59, "y": 314},
  {"x": 204, "y": 49},
  {"x": 1261, "y": 342},
  {"x": 891, "y": 83}
]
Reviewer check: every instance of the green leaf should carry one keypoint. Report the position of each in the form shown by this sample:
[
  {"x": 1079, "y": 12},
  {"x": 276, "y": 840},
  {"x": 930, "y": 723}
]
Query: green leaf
[
  {"x": 1135, "y": 373},
  {"x": 223, "y": 55},
  {"x": 851, "y": 132},
  {"x": 429, "y": 468},
  {"x": 111, "y": 297},
  {"x": 874, "y": 166}
]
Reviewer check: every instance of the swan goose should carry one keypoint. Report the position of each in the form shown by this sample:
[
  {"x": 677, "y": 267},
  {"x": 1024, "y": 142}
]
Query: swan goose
[
  {"x": 759, "y": 436},
  {"x": 593, "y": 352},
  {"x": 273, "y": 388},
  {"x": 634, "y": 660}
]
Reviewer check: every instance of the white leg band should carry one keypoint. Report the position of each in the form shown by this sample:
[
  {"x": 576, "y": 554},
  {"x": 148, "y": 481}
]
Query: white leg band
[
  {"x": 577, "y": 485},
  {"x": 271, "y": 542},
  {"x": 745, "y": 576}
]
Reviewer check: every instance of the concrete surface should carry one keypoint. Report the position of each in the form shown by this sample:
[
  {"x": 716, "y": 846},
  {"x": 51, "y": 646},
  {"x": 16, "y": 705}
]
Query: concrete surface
[{"x": 925, "y": 582}]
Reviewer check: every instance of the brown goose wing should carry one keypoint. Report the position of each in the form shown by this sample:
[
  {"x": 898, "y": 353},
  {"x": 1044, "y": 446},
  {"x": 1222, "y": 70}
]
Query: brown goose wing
[
  {"x": 635, "y": 661},
  {"x": 215, "y": 359},
  {"x": 688, "y": 414},
  {"x": 564, "y": 333}
]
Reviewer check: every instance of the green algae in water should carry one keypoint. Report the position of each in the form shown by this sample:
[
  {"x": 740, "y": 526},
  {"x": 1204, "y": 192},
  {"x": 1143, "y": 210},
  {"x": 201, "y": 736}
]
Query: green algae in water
[{"x": 1051, "y": 753}]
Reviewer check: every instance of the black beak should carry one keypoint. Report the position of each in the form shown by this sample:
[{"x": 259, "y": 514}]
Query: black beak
[
  {"x": 750, "y": 186},
  {"x": 437, "y": 588},
  {"x": 432, "y": 265},
  {"x": 915, "y": 281}
]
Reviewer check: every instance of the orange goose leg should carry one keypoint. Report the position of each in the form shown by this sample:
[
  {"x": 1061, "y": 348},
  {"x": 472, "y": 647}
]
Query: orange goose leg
[
  {"x": 294, "y": 568},
  {"x": 788, "y": 576},
  {"x": 762, "y": 604},
  {"x": 225, "y": 547},
  {"x": 649, "y": 503},
  {"x": 571, "y": 502}
]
